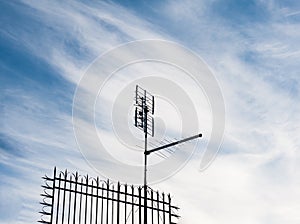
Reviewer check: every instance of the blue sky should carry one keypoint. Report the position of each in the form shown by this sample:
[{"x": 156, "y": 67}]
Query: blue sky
[{"x": 253, "y": 49}]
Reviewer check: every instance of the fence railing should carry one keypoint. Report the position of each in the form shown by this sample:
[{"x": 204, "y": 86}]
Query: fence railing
[{"x": 70, "y": 198}]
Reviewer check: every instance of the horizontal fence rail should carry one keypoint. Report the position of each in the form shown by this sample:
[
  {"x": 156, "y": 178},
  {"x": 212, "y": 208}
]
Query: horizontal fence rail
[{"x": 69, "y": 198}]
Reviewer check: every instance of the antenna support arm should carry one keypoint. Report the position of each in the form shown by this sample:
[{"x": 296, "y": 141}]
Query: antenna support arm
[{"x": 148, "y": 152}]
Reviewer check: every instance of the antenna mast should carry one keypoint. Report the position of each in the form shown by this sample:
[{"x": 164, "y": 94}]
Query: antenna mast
[
  {"x": 143, "y": 119},
  {"x": 144, "y": 103}
]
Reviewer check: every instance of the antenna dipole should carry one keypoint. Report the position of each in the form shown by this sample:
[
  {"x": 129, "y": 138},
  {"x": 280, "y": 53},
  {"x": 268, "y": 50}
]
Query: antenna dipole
[{"x": 144, "y": 109}]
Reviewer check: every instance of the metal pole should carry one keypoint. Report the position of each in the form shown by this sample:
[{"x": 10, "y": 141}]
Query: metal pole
[
  {"x": 145, "y": 161},
  {"x": 145, "y": 108},
  {"x": 145, "y": 158},
  {"x": 145, "y": 182}
]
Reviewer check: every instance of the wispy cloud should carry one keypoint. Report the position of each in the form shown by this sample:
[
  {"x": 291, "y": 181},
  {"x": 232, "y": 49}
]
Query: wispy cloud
[
  {"x": 70, "y": 36},
  {"x": 256, "y": 65},
  {"x": 254, "y": 179}
]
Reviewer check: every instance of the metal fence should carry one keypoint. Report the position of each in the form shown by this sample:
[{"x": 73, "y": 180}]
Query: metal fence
[{"x": 70, "y": 198}]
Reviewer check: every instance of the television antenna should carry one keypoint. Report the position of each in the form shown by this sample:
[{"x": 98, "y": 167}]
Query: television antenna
[{"x": 144, "y": 120}]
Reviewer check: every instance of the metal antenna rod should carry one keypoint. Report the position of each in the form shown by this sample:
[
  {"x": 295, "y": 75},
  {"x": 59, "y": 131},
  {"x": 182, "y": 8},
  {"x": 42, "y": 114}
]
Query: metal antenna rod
[{"x": 145, "y": 157}]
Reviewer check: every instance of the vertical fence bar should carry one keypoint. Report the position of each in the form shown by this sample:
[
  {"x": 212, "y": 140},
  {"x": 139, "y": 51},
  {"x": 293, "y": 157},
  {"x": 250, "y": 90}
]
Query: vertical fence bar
[
  {"x": 70, "y": 197},
  {"x": 112, "y": 205},
  {"x": 164, "y": 211},
  {"x": 140, "y": 205},
  {"x": 80, "y": 203},
  {"x": 53, "y": 191},
  {"x": 91, "y": 208},
  {"x": 58, "y": 198},
  {"x": 107, "y": 204},
  {"x": 132, "y": 209},
  {"x": 74, "y": 214},
  {"x": 125, "y": 204},
  {"x": 118, "y": 203},
  {"x": 86, "y": 198},
  {"x": 157, "y": 199},
  {"x": 170, "y": 209},
  {"x": 102, "y": 199},
  {"x": 97, "y": 201},
  {"x": 152, "y": 207},
  {"x": 64, "y": 197}
]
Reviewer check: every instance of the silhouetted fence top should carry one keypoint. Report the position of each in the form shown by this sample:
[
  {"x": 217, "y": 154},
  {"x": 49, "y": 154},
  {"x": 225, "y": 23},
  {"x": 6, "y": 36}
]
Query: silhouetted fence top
[{"x": 70, "y": 198}]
